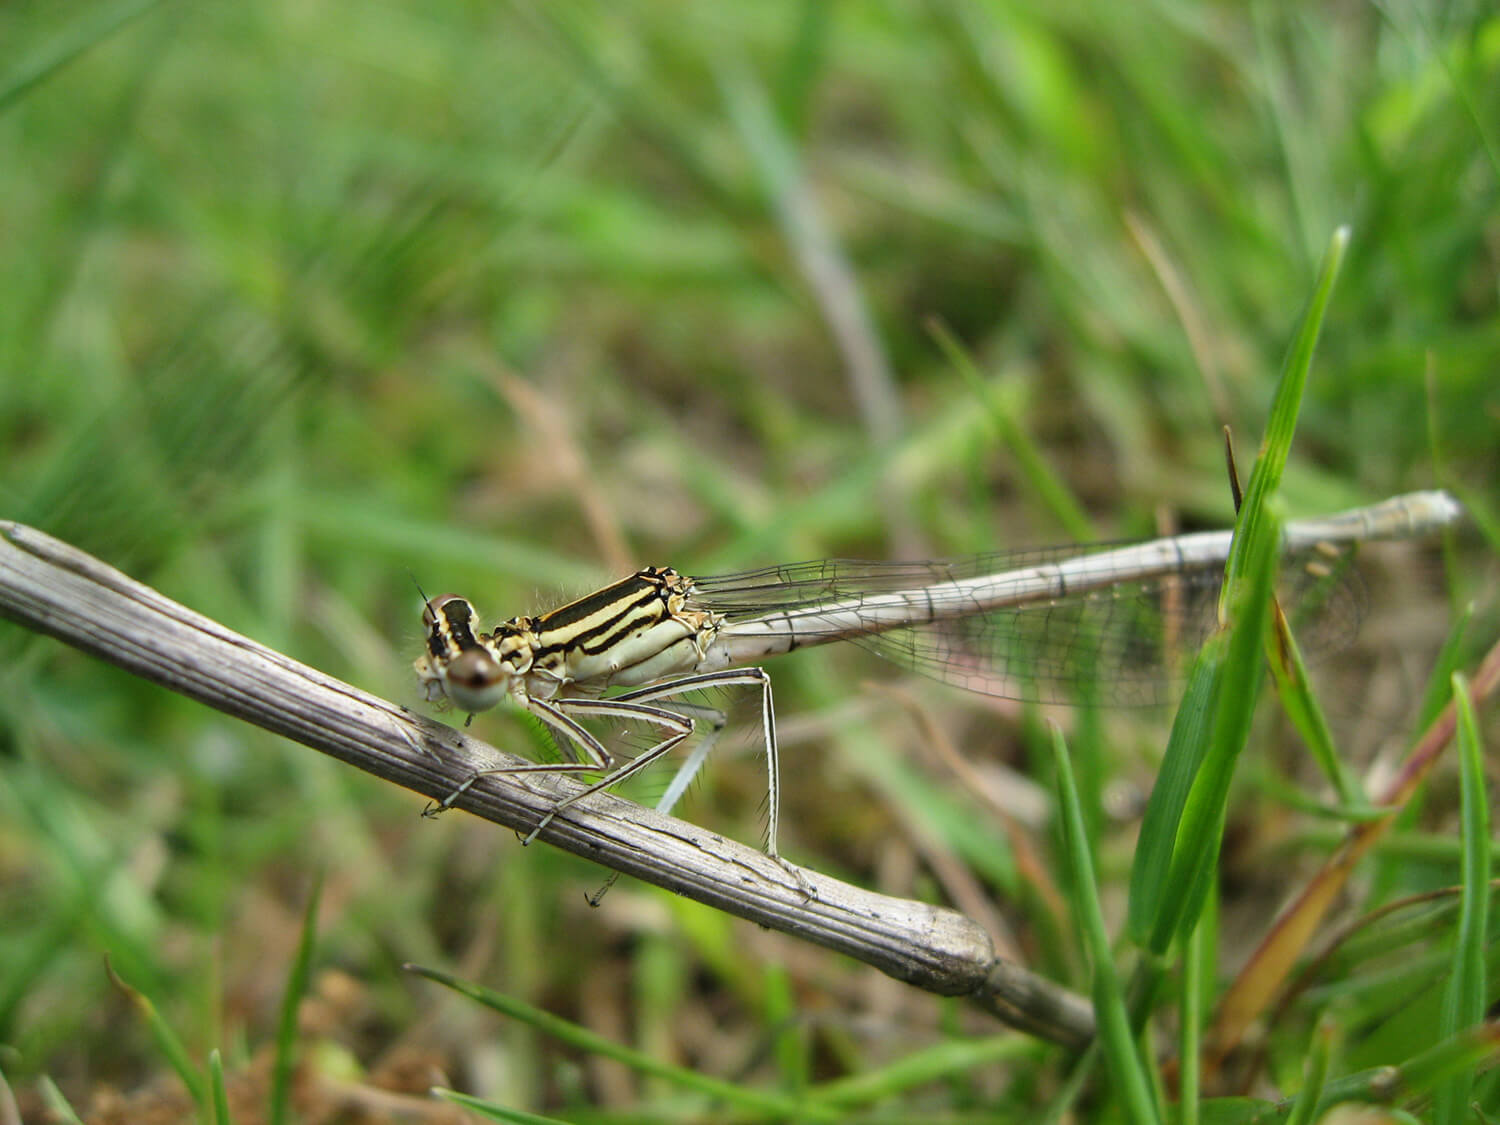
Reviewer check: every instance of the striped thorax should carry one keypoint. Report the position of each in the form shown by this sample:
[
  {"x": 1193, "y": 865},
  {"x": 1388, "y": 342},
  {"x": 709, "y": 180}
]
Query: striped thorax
[{"x": 637, "y": 631}]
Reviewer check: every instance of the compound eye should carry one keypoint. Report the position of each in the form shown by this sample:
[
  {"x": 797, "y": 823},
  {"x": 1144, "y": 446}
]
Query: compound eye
[
  {"x": 475, "y": 681},
  {"x": 449, "y": 607},
  {"x": 474, "y": 670}
]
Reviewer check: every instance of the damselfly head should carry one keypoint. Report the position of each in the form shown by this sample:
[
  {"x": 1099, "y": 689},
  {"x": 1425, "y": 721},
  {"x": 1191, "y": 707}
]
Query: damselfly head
[{"x": 459, "y": 665}]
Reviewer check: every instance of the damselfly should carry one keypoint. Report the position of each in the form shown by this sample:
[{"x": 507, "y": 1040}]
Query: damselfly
[{"x": 1029, "y": 624}]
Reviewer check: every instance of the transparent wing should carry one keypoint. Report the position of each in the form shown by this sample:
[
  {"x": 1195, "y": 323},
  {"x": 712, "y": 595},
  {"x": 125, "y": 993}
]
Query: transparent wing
[{"x": 1125, "y": 644}]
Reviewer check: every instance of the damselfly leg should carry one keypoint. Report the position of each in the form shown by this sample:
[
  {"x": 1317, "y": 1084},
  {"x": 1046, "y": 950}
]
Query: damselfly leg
[{"x": 561, "y": 714}]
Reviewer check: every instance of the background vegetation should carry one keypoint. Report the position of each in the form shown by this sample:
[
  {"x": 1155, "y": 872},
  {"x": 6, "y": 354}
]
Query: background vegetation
[{"x": 302, "y": 299}]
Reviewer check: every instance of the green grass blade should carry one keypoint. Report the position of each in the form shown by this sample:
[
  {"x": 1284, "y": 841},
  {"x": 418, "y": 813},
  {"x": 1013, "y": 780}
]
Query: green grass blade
[
  {"x": 821, "y": 259},
  {"x": 1276, "y": 443},
  {"x": 217, "y": 1088},
  {"x": 296, "y": 989},
  {"x": 1195, "y": 850},
  {"x": 670, "y": 128},
  {"x": 584, "y": 1040},
  {"x": 923, "y": 1066},
  {"x": 1186, "y": 746},
  {"x": 58, "y": 1105},
  {"x": 166, "y": 1040},
  {"x": 1449, "y": 660},
  {"x": 492, "y": 1112},
  {"x": 1197, "y": 975},
  {"x": 1041, "y": 480},
  {"x": 1179, "y": 836},
  {"x": 1118, "y": 1041},
  {"x": 1465, "y": 998},
  {"x": 1319, "y": 1057},
  {"x": 1294, "y": 689},
  {"x": 87, "y": 33},
  {"x": 789, "y": 1046}
]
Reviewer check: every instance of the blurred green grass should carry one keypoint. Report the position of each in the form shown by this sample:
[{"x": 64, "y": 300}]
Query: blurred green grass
[{"x": 302, "y": 300}]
